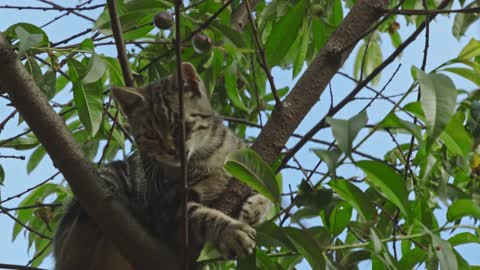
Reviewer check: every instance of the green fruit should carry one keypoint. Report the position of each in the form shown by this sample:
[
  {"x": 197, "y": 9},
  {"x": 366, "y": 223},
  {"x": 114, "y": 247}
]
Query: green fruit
[
  {"x": 201, "y": 43},
  {"x": 163, "y": 20}
]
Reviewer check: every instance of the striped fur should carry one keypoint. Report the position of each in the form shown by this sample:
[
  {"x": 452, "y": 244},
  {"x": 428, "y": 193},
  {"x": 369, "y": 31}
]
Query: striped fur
[{"x": 149, "y": 183}]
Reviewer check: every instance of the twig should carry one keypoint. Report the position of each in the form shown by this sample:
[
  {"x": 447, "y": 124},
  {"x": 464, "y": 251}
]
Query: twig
[
  {"x": 4, "y": 122},
  {"x": 39, "y": 253},
  {"x": 12, "y": 156},
  {"x": 30, "y": 189},
  {"x": 110, "y": 133},
  {"x": 88, "y": 30},
  {"x": 57, "y": 8},
  {"x": 419, "y": 95},
  {"x": 120, "y": 126},
  {"x": 181, "y": 129},
  {"x": 435, "y": 11},
  {"x": 63, "y": 8},
  {"x": 24, "y": 225},
  {"x": 18, "y": 267},
  {"x": 257, "y": 98},
  {"x": 38, "y": 205},
  {"x": 261, "y": 52},
  {"x": 119, "y": 42},
  {"x": 205, "y": 24}
]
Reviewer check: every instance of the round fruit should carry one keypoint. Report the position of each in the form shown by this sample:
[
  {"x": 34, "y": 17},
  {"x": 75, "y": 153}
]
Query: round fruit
[
  {"x": 163, "y": 20},
  {"x": 201, "y": 43}
]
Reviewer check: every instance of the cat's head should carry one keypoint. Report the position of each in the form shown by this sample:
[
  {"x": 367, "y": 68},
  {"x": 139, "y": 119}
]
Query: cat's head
[{"x": 152, "y": 112}]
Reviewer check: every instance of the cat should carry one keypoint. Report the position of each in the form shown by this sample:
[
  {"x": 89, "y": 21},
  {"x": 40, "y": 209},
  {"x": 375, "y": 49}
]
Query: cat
[{"x": 149, "y": 181}]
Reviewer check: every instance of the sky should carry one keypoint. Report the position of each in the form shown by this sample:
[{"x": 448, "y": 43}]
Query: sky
[{"x": 442, "y": 48}]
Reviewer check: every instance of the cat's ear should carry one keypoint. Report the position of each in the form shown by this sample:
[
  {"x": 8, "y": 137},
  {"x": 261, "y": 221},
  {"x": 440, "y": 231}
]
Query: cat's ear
[
  {"x": 128, "y": 97},
  {"x": 189, "y": 72},
  {"x": 191, "y": 78}
]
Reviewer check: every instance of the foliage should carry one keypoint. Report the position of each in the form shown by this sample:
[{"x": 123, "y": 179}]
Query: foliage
[{"x": 384, "y": 215}]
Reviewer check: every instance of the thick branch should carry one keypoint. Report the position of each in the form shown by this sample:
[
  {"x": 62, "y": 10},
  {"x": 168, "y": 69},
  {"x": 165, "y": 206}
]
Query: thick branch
[
  {"x": 116, "y": 222},
  {"x": 307, "y": 91}
]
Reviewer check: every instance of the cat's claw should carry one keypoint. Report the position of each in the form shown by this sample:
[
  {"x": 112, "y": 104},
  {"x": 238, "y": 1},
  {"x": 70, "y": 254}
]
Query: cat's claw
[
  {"x": 237, "y": 240},
  {"x": 255, "y": 209}
]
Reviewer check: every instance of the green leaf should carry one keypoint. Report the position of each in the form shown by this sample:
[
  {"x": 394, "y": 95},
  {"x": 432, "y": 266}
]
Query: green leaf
[
  {"x": 2, "y": 175},
  {"x": 306, "y": 245},
  {"x": 114, "y": 71},
  {"x": 463, "y": 21},
  {"x": 48, "y": 83},
  {"x": 265, "y": 262},
  {"x": 301, "y": 52},
  {"x": 439, "y": 97},
  {"x": 351, "y": 260},
  {"x": 339, "y": 218},
  {"x": 248, "y": 167},
  {"x": 368, "y": 60},
  {"x": 95, "y": 70},
  {"x": 231, "y": 87},
  {"x": 471, "y": 50},
  {"x": 37, "y": 195},
  {"x": 412, "y": 258},
  {"x": 35, "y": 158},
  {"x": 248, "y": 262},
  {"x": 22, "y": 143},
  {"x": 356, "y": 197},
  {"x": 27, "y": 40},
  {"x": 444, "y": 252},
  {"x": 463, "y": 238},
  {"x": 271, "y": 235},
  {"x": 387, "y": 181},
  {"x": 461, "y": 208},
  {"x": 87, "y": 98},
  {"x": 283, "y": 34},
  {"x": 467, "y": 73},
  {"x": 315, "y": 199},
  {"x": 329, "y": 157},
  {"x": 11, "y": 32},
  {"x": 393, "y": 121},
  {"x": 345, "y": 131},
  {"x": 456, "y": 138}
]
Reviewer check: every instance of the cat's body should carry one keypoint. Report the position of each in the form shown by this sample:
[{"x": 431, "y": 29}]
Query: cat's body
[{"x": 149, "y": 181}]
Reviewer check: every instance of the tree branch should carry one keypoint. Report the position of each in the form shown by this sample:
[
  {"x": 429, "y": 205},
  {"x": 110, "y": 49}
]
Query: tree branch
[
  {"x": 113, "y": 218},
  {"x": 284, "y": 120},
  {"x": 181, "y": 140}
]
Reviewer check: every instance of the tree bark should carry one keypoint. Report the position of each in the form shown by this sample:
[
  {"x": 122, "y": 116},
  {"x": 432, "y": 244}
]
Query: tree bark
[
  {"x": 116, "y": 222},
  {"x": 286, "y": 118}
]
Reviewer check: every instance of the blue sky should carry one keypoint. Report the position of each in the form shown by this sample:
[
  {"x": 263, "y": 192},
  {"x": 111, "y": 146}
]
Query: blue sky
[{"x": 442, "y": 48}]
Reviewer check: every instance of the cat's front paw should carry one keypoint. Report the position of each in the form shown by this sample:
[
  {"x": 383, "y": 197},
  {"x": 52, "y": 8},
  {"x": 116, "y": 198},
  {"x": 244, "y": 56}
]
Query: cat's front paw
[
  {"x": 237, "y": 239},
  {"x": 255, "y": 209}
]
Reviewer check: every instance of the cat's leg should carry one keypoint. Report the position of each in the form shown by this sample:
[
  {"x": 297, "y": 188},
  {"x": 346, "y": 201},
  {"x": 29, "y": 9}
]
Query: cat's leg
[
  {"x": 232, "y": 237},
  {"x": 255, "y": 209}
]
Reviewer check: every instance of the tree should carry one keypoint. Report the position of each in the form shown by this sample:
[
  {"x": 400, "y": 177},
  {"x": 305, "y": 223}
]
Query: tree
[{"x": 355, "y": 205}]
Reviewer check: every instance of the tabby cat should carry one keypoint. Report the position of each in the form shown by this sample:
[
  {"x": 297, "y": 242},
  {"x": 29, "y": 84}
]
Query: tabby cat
[{"x": 148, "y": 182}]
